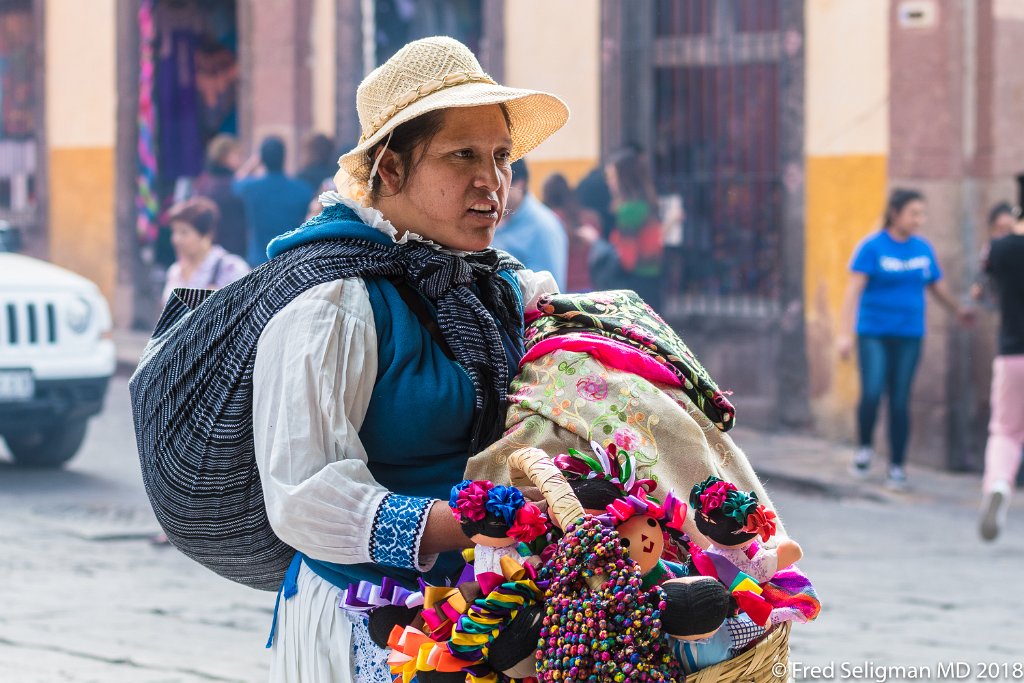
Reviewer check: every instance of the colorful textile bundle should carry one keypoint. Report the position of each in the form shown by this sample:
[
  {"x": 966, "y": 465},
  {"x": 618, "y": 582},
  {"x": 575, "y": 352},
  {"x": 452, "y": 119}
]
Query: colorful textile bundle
[
  {"x": 792, "y": 597},
  {"x": 621, "y": 315}
]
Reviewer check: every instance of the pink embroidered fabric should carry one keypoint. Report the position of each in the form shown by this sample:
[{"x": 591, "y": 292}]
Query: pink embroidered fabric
[{"x": 612, "y": 353}]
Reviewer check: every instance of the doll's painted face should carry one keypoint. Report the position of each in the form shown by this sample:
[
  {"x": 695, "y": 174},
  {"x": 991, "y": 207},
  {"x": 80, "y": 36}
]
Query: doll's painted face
[{"x": 642, "y": 535}]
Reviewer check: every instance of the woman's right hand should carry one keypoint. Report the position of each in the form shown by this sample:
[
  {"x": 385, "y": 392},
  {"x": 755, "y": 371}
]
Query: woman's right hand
[{"x": 845, "y": 346}]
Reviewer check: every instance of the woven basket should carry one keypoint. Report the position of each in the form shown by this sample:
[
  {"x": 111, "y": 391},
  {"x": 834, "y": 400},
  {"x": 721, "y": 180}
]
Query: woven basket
[{"x": 762, "y": 663}]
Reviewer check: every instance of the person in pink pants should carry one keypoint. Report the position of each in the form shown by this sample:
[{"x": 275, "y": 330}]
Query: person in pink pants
[{"x": 1005, "y": 265}]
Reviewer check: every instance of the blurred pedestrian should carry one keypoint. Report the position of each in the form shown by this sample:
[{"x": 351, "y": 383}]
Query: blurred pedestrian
[
  {"x": 592, "y": 193},
  {"x": 531, "y": 231},
  {"x": 637, "y": 232},
  {"x": 320, "y": 162},
  {"x": 1001, "y": 220},
  {"x": 602, "y": 260},
  {"x": 199, "y": 264},
  {"x": 274, "y": 203},
  {"x": 890, "y": 272},
  {"x": 582, "y": 227},
  {"x": 1005, "y": 266},
  {"x": 223, "y": 158}
]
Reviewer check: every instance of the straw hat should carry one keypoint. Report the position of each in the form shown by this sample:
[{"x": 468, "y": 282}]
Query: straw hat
[{"x": 437, "y": 73}]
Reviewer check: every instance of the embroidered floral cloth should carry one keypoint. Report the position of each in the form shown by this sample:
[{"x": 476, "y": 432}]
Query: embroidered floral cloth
[{"x": 623, "y": 316}]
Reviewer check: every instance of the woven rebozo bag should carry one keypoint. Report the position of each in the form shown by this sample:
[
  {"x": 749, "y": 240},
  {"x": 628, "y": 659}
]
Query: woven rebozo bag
[{"x": 192, "y": 407}]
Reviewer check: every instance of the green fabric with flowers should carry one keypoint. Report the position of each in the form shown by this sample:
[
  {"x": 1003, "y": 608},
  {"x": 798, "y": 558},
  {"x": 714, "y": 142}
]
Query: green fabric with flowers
[{"x": 621, "y": 315}]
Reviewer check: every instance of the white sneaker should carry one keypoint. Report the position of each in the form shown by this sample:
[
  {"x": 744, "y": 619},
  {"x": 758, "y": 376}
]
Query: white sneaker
[
  {"x": 993, "y": 510},
  {"x": 861, "y": 464},
  {"x": 897, "y": 479}
]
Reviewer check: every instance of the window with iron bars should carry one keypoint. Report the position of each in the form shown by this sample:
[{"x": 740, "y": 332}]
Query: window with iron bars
[{"x": 715, "y": 143}]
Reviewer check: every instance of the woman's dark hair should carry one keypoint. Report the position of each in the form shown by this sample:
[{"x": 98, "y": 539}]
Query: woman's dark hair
[
  {"x": 199, "y": 212},
  {"x": 407, "y": 137},
  {"x": 633, "y": 177},
  {"x": 1000, "y": 209},
  {"x": 898, "y": 200},
  {"x": 557, "y": 193}
]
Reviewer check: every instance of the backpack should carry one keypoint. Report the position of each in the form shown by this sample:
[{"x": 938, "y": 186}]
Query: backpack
[{"x": 192, "y": 408}]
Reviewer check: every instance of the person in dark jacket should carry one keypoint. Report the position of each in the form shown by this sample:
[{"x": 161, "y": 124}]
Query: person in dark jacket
[
  {"x": 274, "y": 203},
  {"x": 223, "y": 157}
]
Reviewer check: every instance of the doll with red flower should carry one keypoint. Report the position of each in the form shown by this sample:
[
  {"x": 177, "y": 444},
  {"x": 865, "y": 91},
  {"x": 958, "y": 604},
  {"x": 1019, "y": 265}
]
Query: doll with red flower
[
  {"x": 732, "y": 519},
  {"x": 497, "y": 519}
]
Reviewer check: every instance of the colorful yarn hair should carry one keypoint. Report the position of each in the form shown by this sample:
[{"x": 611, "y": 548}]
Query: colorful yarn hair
[
  {"x": 614, "y": 464},
  {"x": 496, "y": 510},
  {"x": 721, "y": 502}
]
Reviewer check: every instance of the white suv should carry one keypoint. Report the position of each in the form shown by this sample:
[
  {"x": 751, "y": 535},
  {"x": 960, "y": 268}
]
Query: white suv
[{"x": 56, "y": 356}]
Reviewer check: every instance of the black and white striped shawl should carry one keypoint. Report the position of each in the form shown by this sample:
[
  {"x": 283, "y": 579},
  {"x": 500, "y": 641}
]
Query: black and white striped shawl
[{"x": 192, "y": 392}]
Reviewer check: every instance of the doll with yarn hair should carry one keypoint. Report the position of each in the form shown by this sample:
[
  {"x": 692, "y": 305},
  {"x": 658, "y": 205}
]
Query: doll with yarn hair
[
  {"x": 731, "y": 520},
  {"x": 497, "y": 519}
]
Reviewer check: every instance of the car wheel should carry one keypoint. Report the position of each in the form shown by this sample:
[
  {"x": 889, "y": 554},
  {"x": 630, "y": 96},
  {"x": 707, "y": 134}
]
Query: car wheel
[{"x": 49, "y": 448}]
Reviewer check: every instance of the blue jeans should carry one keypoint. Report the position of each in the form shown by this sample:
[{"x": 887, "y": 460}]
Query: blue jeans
[{"x": 887, "y": 363}]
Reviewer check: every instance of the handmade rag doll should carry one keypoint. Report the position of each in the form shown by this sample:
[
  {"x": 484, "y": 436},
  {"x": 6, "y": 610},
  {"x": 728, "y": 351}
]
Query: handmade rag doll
[
  {"x": 498, "y": 519},
  {"x": 731, "y": 519}
]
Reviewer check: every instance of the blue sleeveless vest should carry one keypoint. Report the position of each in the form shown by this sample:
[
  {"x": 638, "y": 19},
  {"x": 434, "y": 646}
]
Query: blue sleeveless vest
[{"x": 417, "y": 427}]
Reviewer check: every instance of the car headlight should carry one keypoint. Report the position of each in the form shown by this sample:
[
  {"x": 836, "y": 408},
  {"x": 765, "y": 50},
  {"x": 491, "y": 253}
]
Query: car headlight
[{"x": 78, "y": 315}]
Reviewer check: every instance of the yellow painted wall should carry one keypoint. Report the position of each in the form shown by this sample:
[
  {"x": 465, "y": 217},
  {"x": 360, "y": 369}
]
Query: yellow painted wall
[
  {"x": 847, "y": 142},
  {"x": 554, "y": 45},
  {"x": 81, "y": 98},
  {"x": 572, "y": 169},
  {"x": 82, "y": 235},
  {"x": 844, "y": 197}
]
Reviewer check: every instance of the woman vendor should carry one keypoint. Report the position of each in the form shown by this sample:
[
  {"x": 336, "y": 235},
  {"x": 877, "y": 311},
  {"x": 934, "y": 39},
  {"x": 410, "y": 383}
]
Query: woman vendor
[{"x": 371, "y": 393}]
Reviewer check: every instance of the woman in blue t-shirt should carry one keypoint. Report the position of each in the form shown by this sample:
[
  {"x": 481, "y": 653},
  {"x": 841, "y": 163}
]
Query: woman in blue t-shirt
[{"x": 890, "y": 272}]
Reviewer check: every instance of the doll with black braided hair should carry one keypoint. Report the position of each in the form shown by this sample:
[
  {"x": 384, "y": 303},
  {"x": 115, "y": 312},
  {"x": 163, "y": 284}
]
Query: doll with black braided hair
[{"x": 731, "y": 520}]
